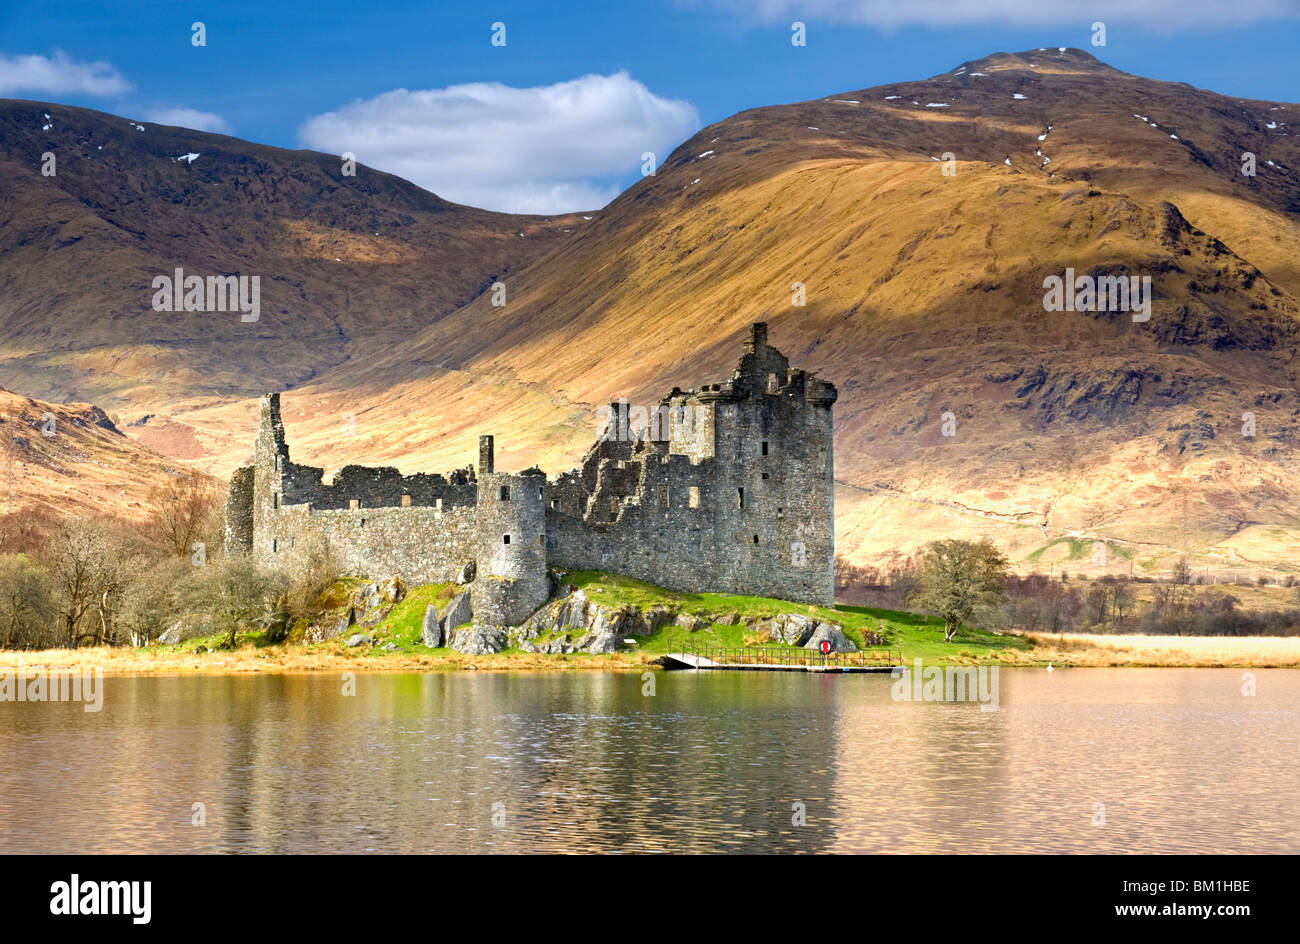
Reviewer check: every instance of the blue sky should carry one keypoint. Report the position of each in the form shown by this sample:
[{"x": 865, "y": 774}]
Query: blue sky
[{"x": 328, "y": 75}]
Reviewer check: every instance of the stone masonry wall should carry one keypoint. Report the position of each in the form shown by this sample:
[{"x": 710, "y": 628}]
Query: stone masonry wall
[{"x": 421, "y": 545}]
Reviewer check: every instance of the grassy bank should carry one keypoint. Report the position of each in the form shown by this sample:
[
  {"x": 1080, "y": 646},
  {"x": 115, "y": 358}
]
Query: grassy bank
[{"x": 914, "y": 635}]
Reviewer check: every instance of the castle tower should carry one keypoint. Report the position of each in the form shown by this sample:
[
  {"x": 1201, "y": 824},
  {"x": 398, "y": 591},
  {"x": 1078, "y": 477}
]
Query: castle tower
[
  {"x": 774, "y": 515},
  {"x": 270, "y": 462},
  {"x": 511, "y": 520}
]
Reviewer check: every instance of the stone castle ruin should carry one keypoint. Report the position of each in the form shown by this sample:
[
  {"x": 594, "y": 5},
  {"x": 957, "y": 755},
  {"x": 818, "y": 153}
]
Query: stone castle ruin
[{"x": 727, "y": 489}]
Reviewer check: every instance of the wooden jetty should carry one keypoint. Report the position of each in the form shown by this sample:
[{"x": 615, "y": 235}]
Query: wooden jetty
[{"x": 757, "y": 659}]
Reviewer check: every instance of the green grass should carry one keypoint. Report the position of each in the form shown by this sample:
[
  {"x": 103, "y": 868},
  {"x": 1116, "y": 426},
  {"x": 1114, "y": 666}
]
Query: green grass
[
  {"x": 401, "y": 626},
  {"x": 914, "y": 634},
  {"x": 1079, "y": 549}
]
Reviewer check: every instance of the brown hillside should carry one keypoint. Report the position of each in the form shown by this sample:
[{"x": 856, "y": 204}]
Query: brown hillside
[
  {"x": 71, "y": 456},
  {"x": 924, "y": 295},
  {"x": 347, "y": 264}
]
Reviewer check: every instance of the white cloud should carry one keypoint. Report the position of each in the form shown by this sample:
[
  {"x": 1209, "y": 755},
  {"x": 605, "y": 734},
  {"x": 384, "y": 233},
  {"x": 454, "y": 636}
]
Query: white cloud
[
  {"x": 59, "y": 75},
  {"x": 188, "y": 118},
  {"x": 548, "y": 149},
  {"x": 1169, "y": 14}
]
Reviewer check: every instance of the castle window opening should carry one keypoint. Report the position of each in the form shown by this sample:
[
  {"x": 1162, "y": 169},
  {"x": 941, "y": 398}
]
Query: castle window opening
[
  {"x": 275, "y": 545},
  {"x": 505, "y": 493},
  {"x": 764, "y": 475},
  {"x": 275, "y": 500},
  {"x": 363, "y": 522},
  {"x": 740, "y": 498},
  {"x": 771, "y": 383},
  {"x": 437, "y": 505},
  {"x": 555, "y": 503},
  {"x": 539, "y": 493},
  {"x": 756, "y": 539},
  {"x": 663, "y": 496},
  {"x": 505, "y": 539},
  {"x": 695, "y": 496},
  {"x": 764, "y": 447},
  {"x": 406, "y": 501},
  {"x": 541, "y": 540},
  {"x": 613, "y": 506}
]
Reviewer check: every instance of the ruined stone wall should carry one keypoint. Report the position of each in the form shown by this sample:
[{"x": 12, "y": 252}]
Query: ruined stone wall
[
  {"x": 375, "y": 487},
  {"x": 756, "y": 464},
  {"x": 419, "y": 544},
  {"x": 239, "y": 512},
  {"x": 421, "y": 527},
  {"x": 663, "y": 532}
]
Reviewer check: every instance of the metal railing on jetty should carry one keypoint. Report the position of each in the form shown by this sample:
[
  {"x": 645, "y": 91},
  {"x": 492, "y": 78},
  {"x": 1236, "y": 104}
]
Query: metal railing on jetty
[{"x": 758, "y": 655}]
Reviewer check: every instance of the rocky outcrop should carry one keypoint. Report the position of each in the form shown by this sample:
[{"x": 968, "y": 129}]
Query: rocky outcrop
[
  {"x": 374, "y": 601},
  {"x": 329, "y": 626},
  {"x": 458, "y": 613},
  {"x": 368, "y": 606},
  {"x": 183, "y": 629},
  {"x": 431, "y": 627},
  {"x": 479, "y": 639},
  {"x": 359, "y": 639},
  {"x": 789, "y": 628},
  {"x": 833, "y": 633},
  {"x": 577, "y": 624}
]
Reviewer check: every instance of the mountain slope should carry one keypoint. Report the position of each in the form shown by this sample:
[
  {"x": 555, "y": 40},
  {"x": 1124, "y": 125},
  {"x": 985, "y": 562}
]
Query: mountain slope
[
  {"x": 71, "y": 456},
  {"x": 346, "y": 263},
  {"x": 924, "y": 296}
]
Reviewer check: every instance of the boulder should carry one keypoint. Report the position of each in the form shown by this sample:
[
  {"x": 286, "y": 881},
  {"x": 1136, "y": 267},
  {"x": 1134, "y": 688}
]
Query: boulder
[
  {"x": 730, "y": 619},
  {"x": 557, "y": 646},
  {"x": 791, "y": 628},
  {"x": 393, "y": 590},
  {"x": 564, "y": 615},
  {"x": 655, "y": 618},
  {"x": 183, "y": 629},
  {"x": 328, "y": 627},
  {"x": 458, "y": 613},
  {"x": 467, "y": 573},
  {"x": 359, "y": 639},
  {"x": 689, "y": 622},
  {"x": 389, "y": 646},
  {"x": 835, "y": 634},
  {"x": 431, "y": 628},
  {"x": 479, "y": 640},
  {"x": 608, "y": 627},
  {"x": 374, "y": 601}
]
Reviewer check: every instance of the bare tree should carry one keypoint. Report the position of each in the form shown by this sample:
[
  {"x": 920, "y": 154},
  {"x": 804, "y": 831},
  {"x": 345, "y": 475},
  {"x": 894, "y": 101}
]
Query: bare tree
[
  {"x": 236, "y": 593},
  {"x": 182, "y": 511},
  {"x": 86, "y": 568},
  {"x": 26, "y": 604}
]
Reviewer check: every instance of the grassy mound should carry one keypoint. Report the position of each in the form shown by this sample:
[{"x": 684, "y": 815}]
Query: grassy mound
[{"x": 914, "y": 635}]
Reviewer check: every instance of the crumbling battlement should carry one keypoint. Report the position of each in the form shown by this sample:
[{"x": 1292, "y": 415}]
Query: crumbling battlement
[{"x": 726, "y": 488}]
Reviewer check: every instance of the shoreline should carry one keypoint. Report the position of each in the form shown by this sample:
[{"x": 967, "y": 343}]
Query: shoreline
[{"x": 1060, "y": 651}]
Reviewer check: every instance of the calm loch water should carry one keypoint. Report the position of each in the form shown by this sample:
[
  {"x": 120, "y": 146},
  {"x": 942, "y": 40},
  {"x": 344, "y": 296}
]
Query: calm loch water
[{"x": 573, "y": 762}]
